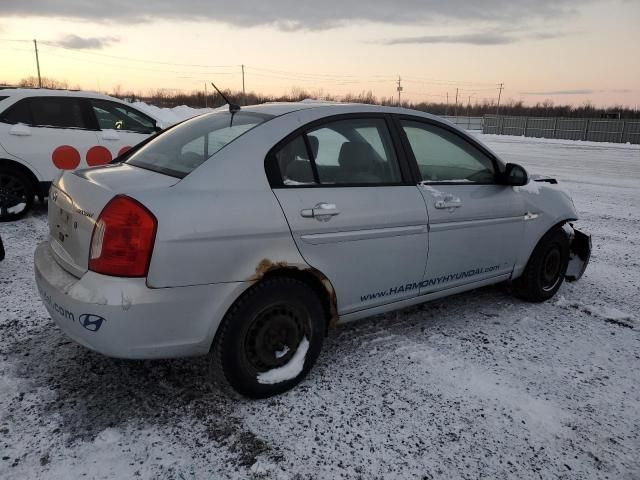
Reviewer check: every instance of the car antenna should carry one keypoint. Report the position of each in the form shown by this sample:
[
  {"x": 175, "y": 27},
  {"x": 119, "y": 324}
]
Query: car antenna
[{"x": 233, "y": 107}]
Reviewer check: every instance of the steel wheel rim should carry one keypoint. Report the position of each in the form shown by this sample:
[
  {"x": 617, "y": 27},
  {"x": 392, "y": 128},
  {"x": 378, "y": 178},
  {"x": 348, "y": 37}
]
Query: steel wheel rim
[
  {"x": 551, "y": 269},
  {"x": 274, "y": 336}
]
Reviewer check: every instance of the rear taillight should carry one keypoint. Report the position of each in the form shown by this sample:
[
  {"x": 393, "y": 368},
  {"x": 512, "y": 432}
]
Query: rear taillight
[{"x": 123, "y": 238}]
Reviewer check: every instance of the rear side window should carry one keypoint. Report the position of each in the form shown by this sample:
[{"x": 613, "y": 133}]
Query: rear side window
[
  {"x": 181, "y": 149},
  {"x": 59, "y": 112},
  {"x": 295, "y": 164},
  {"x": 344, "y": 152},
  {"x": 115, "y": 116},
  {"x": 19, "y": 112}
]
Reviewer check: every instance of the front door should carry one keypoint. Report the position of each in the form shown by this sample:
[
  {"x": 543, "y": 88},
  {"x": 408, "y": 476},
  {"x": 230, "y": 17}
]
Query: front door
[
  {"x": 353, "y": 212},
  {"x": 475, "y": 223},
  {"x": 49, "y": 133},
  {"x": 121, "y": 127}
]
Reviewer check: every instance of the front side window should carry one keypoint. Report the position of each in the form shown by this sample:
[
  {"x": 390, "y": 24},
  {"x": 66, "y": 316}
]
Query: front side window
[
  {"x": 183, "y": 148},
  {"x": 343, "y": 152},
  {"x": 443, "y": 156},
  {"x": 58, "y": 112},
  {"x": 354, "y": 151},
  {"x": 115, "y": 116}
]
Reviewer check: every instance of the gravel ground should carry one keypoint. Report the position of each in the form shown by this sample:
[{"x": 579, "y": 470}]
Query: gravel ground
[{"x": 479, "y": 385}]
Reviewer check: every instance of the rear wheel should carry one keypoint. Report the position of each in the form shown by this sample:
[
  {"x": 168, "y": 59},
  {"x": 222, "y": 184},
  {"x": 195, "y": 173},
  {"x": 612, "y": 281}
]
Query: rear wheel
[
  {"x": 270, "y": 338},
  {"x": 16, "y": 194},
  {"x": 546, "y": 268}
]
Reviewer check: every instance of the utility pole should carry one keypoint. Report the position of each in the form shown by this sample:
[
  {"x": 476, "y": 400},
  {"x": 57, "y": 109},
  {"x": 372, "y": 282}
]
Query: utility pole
[
  {"x": 446, "y": 110},
  {"x": 500, "y": 87},
  {"x": 399, "y": 90},
  {"x": 456, "y": 109},
  {"x": 35, "y": 44},
  {"x": 244, "y": 97},
  {"x": 205, "y": 95}
]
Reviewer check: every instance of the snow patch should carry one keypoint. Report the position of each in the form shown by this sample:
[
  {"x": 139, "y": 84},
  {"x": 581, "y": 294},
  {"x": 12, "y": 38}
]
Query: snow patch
[
  {"x": 261, "y": 468},
  {"x": 17, "y": 208},
  {"x": 288, "y": 371},
  {"x": 171, "y": 116}
]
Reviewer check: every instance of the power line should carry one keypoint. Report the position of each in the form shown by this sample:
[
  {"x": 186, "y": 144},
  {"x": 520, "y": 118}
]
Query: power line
[
  {"x": 140, "y": 60},
  {"x": 148, "y": 69},
  {"x": 335, "y": 80}
]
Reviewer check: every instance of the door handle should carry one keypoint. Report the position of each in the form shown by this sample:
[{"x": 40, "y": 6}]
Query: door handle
[
  {"x": 321, "y": 212},
  {"x": 20, "y": 130},
  {"x": 110, "y": 135},
  {"x": 449, "y": 202}
]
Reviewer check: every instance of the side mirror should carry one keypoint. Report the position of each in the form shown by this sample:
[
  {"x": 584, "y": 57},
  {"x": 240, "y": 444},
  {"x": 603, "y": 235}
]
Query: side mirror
[
  {"x": 515, "y": 175},
  {"x": 157, "y": 128}
]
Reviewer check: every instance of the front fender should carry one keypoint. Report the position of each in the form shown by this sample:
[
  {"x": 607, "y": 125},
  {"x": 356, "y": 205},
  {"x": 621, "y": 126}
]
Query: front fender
[{"x": 547, "y": 205}]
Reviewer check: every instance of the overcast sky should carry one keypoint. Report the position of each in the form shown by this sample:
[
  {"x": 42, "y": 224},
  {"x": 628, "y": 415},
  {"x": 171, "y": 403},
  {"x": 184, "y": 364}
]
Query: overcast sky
[{"x": 564, "y": 50}]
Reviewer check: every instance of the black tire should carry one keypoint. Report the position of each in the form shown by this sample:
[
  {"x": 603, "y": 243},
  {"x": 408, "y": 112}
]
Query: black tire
[
  {"x": 546, "y": 268},
  {"x": 16, "y": 189},
  {"x": 263, "y": 331}
]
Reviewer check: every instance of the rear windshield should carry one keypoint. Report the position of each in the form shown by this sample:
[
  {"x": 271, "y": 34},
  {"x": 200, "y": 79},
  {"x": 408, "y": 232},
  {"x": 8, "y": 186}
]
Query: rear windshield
[{"x": 183, "y": 148}]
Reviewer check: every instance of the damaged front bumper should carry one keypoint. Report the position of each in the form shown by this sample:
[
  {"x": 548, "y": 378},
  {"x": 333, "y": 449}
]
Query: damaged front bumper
[{"x": 579, "y": 254}]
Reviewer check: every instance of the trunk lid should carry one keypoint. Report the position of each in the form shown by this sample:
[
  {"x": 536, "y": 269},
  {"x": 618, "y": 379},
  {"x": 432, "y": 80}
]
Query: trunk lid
[{"x": 76, "y": 200}]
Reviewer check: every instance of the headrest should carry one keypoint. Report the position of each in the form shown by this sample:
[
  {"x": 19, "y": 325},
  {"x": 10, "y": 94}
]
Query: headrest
[{"x": 356, "y": 156}]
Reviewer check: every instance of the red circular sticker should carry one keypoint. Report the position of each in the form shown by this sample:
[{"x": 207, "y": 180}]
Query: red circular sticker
[
  {"x": 98, "y": 156},
  {"x": 124, "y": 150},
  {"x": 65, "y": 157}
]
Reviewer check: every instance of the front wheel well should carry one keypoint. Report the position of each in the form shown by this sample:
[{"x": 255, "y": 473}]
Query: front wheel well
[{"x": 560, "y": 224}]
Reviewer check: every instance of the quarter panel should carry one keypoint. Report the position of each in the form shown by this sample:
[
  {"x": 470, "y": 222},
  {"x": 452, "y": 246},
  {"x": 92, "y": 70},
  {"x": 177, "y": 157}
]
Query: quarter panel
[{"x": 217, "y": 235}]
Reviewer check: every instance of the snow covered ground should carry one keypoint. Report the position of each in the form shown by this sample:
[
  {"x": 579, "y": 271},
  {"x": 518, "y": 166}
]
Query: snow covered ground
[
  {"x": 480, "y": 385},
  {"x": 170, "y": 116}
]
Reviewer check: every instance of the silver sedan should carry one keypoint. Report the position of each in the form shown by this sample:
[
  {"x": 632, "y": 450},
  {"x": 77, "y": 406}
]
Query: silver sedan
[{"x": 249, "y": 233}]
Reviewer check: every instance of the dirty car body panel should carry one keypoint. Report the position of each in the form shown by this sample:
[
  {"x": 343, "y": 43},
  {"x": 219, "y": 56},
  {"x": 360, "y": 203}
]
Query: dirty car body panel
[{"x": 245, "y": 202}]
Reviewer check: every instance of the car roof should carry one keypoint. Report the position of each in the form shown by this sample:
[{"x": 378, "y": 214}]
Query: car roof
[
  {"x": 15, "y": 93},
  {"x": 329, "y": 108}
]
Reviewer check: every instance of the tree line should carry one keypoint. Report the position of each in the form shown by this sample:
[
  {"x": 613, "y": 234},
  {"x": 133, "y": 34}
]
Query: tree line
[{"x": 198, "y": 99}]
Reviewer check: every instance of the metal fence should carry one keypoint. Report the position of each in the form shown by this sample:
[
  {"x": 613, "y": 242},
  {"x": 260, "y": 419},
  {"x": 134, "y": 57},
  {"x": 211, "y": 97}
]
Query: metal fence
[
  {"x": 590, "y": 129},
  {"x": 468, "y": 123}
]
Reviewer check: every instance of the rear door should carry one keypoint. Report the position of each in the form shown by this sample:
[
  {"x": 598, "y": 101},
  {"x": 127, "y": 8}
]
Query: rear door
[
  {"x": 352, "y": 209},
  {"x": 121, "y": 127},
  {"x": 49, "y": 133},
  {"x": 475, "y": 223}
]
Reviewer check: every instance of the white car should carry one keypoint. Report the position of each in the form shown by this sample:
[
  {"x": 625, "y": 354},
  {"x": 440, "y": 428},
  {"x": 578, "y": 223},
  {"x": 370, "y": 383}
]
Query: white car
[
  {"x": 249, "y": 233},
  {"x": 44, "y": 131}
]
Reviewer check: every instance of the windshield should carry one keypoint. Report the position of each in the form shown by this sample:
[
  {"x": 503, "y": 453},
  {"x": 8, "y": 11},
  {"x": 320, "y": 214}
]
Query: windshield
[{"x": 180, "y": 150}]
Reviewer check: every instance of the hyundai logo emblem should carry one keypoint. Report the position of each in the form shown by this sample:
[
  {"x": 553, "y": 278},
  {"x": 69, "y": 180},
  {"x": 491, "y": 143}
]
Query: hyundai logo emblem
[{"x": 91, "y": 322}]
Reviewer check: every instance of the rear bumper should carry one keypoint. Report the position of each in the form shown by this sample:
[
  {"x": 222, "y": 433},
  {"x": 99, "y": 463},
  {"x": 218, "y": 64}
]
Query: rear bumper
[
  {"x": 122, "y": 317},
  {"x": 579, "y": 254}
]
